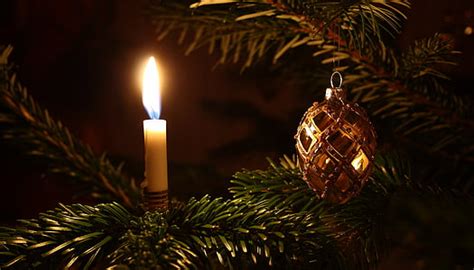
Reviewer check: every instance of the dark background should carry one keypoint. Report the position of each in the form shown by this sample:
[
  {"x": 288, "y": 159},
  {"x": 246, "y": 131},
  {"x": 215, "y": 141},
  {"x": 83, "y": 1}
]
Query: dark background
[{"x": 81, "y": 61}]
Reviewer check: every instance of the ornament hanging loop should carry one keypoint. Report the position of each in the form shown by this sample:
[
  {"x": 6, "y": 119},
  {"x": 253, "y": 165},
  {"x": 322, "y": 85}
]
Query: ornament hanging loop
[{"x": 333, "y": 77}]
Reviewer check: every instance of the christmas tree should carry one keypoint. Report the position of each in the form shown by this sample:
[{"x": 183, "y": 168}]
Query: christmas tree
[{"x": 272, "y": 217}]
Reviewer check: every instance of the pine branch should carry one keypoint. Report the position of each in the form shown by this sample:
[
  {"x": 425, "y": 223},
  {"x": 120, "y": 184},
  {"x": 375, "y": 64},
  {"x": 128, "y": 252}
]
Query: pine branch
[
  {"x": 219, "y": 30},
  {"x": 233, "y": 232},
  {"x": 27, "y": 125},
  {"x": 236, "y": 233},
  {"x": 409, "y": 90},
  {"x": 68, "y": 235},
  {"x": 274, "y": 219},
  {"x": 148, "y": 244},
  {"x": 256, "y": 28},
  {"x": 421, "y": 67}
]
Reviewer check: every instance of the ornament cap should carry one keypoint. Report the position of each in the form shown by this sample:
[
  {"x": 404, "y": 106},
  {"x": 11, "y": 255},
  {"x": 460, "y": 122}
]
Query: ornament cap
[{"x": 337, "y": 93}]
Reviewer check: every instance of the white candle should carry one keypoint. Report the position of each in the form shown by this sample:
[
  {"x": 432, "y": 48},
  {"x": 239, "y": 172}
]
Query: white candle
[{"x": 156, "y": 163}]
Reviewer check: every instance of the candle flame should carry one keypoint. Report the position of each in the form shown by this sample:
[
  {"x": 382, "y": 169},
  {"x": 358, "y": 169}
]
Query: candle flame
[{"x": 151, "y": 89}]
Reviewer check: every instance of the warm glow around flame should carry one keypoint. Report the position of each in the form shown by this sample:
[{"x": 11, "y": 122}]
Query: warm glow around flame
[{"x": 151, "y": 89}]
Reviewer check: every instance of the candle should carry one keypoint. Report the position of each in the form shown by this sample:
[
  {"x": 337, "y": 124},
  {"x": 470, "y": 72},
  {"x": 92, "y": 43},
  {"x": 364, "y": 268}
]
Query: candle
[{"x": 156, "y": 167}]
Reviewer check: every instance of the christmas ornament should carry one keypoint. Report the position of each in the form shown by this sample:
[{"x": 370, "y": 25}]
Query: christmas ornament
[{"x": 335, "y": 144}]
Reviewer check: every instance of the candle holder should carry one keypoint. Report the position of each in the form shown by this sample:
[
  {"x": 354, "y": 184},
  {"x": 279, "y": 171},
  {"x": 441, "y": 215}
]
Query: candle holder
[{"x": 156, "y": 200}]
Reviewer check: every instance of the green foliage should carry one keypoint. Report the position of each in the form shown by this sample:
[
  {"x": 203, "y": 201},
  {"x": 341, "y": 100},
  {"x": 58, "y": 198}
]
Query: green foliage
[
  {"x": 147, "y": 244},
  {"x": 410, "y": 91},
  {"x": 273, "y": 219},
  {"x": 249, "y": 30},
  {"x": 66, "y": 236},
  {"x": 230, "y": 232},
  {"x": 234, "y": 232},
  {"x": 186, "y": 236},
  {"x": 32, "y": 128}
]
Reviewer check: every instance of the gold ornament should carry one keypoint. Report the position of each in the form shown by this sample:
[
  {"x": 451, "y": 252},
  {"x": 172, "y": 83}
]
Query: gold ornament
[{"x": 335, "y": 144}]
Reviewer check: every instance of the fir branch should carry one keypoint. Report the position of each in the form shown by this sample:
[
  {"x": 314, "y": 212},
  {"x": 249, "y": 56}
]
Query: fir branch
[
  {"x": 234, "y": 233},
  {"x": 250, "y": 229},
  {"x": 147, "y": 244},
  {"x": 278, "y": 187},
  {"x": 68, "y": 235},
  {"x": 220, "y": 30},
  {"x": 190, "y": 235},
  {"x": 27, "y": 125},
  {"x": 421, "y": 67},
  {"x": 255, "y": 28},
  {"x": 409, "y": 90}
]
